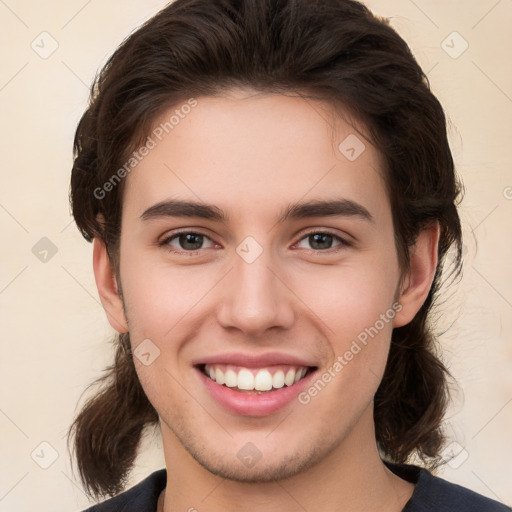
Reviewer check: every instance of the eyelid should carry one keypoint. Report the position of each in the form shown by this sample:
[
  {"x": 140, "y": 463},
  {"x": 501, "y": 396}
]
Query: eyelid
[
  {"x": 344, "y": 242},
  {"x": 312, "y": 231},
  {"x": 174, "y": 234}
]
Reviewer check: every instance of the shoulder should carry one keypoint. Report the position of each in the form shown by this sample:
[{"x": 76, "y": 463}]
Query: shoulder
[
  {"x": 441, "y": 495},
  {"x": 142, "y": 497},
  {"x": 434, "y": 494}
]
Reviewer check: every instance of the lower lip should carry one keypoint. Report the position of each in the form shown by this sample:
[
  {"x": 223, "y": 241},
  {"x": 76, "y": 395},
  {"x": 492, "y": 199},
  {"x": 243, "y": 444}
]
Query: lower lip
[{"x": 249, "y": 404}]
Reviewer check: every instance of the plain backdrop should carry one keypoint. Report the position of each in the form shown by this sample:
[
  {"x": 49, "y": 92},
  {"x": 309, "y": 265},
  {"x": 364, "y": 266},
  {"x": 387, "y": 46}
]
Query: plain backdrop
[{"x": 55, "y": 337}]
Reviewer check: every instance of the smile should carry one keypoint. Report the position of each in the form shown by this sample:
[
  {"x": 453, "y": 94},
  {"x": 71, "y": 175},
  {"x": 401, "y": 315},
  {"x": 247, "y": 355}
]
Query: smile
[
  {"x": 254, "y": 386},
  {"x": 261, "y": 380}
]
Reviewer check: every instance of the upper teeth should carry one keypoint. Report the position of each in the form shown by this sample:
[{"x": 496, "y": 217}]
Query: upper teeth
[{"x": 255, "y": 379}]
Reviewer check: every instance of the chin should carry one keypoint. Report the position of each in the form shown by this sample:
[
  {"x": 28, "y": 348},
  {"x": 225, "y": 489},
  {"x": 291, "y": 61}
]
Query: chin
[{"x": 263, "y": 471}]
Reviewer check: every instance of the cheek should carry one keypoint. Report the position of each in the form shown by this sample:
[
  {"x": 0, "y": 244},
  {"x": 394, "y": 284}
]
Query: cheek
[
  {"x": 159, "y": 295},
  {"x": 356, "y": 304},
  {"x": 343, "y": 298},
  {"x": 349, "y": 298}
]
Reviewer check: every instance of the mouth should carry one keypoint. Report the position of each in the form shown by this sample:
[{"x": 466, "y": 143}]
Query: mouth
[
  {"x": 255, "y": 380},
  {"x": 254, "y": 385}
]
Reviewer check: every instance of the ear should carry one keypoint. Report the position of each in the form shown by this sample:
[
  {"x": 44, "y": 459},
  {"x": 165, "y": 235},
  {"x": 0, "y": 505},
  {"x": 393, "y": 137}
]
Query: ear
[
  {"x": 423, "y": 264},
  {"x": 107, "y": 287}
]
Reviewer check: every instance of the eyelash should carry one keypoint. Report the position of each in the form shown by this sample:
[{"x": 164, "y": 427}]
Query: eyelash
[{"x": 343, "y": 242}]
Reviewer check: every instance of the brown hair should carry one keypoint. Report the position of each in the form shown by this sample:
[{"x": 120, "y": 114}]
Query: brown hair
[{"x": 334, "y": 50}]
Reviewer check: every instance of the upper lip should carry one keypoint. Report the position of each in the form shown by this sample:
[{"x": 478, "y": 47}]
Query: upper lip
[{"x": 253, "y": 361}]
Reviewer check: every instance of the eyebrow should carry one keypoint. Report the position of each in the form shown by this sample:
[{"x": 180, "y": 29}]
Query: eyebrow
[{"x": 315, "y": 208}]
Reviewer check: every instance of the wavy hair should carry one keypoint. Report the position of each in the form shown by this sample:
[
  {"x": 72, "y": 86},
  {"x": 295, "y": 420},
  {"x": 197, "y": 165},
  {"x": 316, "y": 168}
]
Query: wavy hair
[{"x": 332, "y": 50}]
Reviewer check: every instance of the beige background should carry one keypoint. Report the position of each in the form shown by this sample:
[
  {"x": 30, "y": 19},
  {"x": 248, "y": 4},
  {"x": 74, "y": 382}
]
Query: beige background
[{"x": 55, "y": 337}]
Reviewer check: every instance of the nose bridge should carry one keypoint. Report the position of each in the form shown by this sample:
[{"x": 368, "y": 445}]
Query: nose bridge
[{"x": 256, "y": 299}]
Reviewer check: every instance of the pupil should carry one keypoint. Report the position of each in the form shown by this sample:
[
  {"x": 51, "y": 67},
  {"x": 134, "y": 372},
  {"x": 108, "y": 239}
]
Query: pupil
[
  {"x": 189, "y": 238},
  {"x": 317, "y": 238},
  {"x": 323, "y": 241}
]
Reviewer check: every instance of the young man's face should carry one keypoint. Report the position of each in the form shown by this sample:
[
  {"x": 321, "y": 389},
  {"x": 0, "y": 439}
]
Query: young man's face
[{"x": 257, "y": 297}]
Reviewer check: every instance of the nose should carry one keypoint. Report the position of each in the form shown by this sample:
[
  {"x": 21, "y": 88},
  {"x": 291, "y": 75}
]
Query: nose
[{"x": 256, "y": 297}]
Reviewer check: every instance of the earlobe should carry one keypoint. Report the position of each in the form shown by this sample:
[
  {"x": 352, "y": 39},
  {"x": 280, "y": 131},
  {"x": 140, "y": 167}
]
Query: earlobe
[
  {"x": 107, "y": 287},
  {"x": 423, "y": 265}
]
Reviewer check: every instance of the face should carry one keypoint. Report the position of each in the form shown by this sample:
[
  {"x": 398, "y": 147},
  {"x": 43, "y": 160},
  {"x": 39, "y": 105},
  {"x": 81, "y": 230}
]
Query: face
[{"x": 251, "y": 288}]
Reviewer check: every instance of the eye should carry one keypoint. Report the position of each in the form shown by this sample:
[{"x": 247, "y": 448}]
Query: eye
[
  {"x": 191, "y": 242},
  {"x": 188, "y": 241},
  {"x": 323, "y": 240}
]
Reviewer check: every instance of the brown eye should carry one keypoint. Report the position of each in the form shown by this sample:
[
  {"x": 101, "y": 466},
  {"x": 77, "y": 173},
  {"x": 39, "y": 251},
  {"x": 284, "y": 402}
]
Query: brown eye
[
  {"x": 184, "y": 242},
  {"x": 323, "y": 240}
]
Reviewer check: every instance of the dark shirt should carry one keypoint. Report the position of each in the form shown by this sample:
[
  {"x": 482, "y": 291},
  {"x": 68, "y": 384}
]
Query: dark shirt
[{"x": 431, "y": 494}]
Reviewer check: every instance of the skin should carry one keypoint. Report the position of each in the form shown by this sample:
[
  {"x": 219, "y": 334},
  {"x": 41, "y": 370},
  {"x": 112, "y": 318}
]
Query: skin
[{"x": 253, "y": 154}]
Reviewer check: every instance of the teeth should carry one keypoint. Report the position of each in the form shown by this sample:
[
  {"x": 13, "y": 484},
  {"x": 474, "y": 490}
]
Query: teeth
[
  {"x": 219, "y": 376},
  {"x": 300, "y": 374},
  {"x": 290, "y": 377},
  {"x": 262, "y": 380},
  {"x": 230, "y": 379},
  {"x": 245, "y": 380},
  {"x": 278, "y": 379}
]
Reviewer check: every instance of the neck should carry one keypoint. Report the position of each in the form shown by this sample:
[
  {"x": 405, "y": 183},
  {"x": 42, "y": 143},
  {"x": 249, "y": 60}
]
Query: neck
[{"x": 351, "y": 478}]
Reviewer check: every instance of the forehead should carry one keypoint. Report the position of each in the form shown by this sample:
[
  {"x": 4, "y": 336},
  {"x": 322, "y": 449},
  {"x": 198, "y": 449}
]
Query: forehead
[{"x": 249, "y": 150}]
